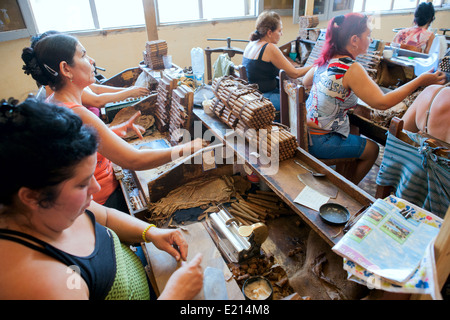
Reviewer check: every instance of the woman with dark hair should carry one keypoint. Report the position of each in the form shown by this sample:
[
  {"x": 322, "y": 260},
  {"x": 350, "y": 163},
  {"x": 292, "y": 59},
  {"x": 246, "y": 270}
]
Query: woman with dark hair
[
  {"x": 336, "y": 82},
  {"x": 55, "y": 242},
  {"x": 61, "y": 62},
  {"x": 96, "y": 96},
  {"x": 418, "y": 37},
  {"x": 263, "y": 59}
]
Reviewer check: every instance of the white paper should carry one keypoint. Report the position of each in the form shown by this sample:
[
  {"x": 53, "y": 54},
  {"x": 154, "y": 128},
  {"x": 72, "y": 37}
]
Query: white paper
[{"x": 311, "y": 198}]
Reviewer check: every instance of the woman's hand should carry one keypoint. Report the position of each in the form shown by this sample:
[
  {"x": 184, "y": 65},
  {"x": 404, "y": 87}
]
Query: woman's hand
[
  {"x": 198, "y": 144},
  {"x": 122, "y": 129},
  {"x": 186, "y": 282},
  {"x": 429, "y": 78},
  {"x": 167, "y": 240},
  {"x": 135, "y": 92}
]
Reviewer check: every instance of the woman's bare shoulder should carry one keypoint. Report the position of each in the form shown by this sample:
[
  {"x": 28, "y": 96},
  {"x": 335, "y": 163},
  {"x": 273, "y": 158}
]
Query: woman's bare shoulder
[{"x": 28, "y": 274}]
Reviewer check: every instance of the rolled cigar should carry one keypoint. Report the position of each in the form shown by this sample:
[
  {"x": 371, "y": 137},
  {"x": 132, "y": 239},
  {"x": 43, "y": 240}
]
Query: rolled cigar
[
  {"x": 245, "y": 210},
  {"x": 264, "y": 197},
  {"x": 243, "y": 215}
]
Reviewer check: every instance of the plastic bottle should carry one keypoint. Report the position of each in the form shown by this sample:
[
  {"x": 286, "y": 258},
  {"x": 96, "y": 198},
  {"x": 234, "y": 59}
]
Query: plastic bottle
[{"x": 198, "y": 64}]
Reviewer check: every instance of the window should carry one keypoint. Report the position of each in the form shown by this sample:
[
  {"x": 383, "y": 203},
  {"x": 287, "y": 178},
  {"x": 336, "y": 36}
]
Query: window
[
  {"x": 176, "y": 11},
  {"x": 389, "y": 5},
  {"x": 82, "y": 15},
  {"x": 14, "y": 15},
  {"x": 31, "y": 17},
  {"x": 324, "y": 9}
]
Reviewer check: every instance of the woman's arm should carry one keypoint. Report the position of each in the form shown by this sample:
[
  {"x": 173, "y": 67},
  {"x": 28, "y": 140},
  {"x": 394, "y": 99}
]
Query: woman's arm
[
  {"x": 281, "y": 62},
  {"x": 357, "y": 79},
  {"x": 123, "y": 154},
  {"x": 130, "y": 229},
  {"x": 101, "y": 95},
  {"x": 309, "y": 78}
]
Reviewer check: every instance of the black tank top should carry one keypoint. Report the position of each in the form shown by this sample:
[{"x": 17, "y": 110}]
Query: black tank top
[
  {"x": 261, "y": 72},
  {"x": 98, "y": 269}
]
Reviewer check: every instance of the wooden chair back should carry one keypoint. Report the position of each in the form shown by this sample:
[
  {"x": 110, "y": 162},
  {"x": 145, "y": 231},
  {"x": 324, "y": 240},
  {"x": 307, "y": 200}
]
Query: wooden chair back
[
  {"x": 240, "y": 72},
  {"x": 293, "y": 115}
]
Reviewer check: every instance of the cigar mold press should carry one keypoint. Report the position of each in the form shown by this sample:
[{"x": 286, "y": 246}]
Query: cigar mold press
[{"x": 236, "y": 242}]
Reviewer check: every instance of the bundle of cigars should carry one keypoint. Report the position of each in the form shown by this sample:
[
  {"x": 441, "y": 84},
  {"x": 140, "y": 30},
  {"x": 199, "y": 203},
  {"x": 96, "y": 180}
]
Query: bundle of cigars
[
  {"x": 308, "y": 28},
  {"x": 181, "y": 113},
  {"x": 308, "y": 21},
  {"x": 154, "y": 53},
  {"x": 237, "y": 102},
  {"x": 243, "y": 108},
  {"x": 273, "y": 140}
]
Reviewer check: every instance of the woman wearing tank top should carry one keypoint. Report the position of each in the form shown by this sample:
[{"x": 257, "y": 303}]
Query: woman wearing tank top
[
  {"x": 55, "y": 242},
  {"x": 263, "y": 59},
  {"x": 337, "y": 81}
]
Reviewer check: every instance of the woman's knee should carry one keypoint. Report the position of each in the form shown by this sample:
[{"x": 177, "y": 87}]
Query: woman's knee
[{"x": 370, "y": 151}]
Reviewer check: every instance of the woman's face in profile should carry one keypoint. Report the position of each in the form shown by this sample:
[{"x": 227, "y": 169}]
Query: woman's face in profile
[
  {"x": 276, "y": 35},
  {"x": 83, "y": 70}
]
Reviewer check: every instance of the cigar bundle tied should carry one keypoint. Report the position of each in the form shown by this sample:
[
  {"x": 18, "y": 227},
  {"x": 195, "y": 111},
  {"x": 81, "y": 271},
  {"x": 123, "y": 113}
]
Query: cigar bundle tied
[
  {"x": 236, "y": 102},
  {"x": 272, "y": 140}
]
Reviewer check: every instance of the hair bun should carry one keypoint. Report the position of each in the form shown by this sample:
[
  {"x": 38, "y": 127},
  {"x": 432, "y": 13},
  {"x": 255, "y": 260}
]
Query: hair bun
[
  {"x": 339, "y": 19},
  {"x": 9, "y": 111},
  {"x": 31, "y": 66}
]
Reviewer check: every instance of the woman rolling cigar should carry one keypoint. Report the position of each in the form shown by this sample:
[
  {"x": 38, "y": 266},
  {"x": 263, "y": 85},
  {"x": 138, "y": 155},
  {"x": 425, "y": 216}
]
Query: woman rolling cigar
[
  {"x": 263, "y": 59},
  {"x": 418, "y": 37},
  {"x": 337, "y": 82},
  {"x": 61, "y": 62},
  {"x": 55, "y": 242},
  {"x": 96, "y": 96}
]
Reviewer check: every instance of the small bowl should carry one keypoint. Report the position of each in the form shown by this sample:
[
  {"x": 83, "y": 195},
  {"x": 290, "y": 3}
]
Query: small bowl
[
  {"x": 252, "y": 282},
  {"x": 388, "y": 53},
  {"x": 334, "y": 213}
]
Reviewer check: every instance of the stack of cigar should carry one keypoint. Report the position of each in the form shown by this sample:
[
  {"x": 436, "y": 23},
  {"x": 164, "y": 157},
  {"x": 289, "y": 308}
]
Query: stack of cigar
[
  {"x": 237, "y": 102},
  {"x": 308, "y": 30},
  {"x": 273, "y": 140},
  {"x": 154, "y": 52},
  {"x": 181, "y": 113},
  {"x": 163, "y": 102},
  {"x": 258, "y": 207}
]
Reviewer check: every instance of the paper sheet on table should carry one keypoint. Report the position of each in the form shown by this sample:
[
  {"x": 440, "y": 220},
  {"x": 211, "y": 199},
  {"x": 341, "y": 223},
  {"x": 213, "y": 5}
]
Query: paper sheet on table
[{"x": 311, "y": 198}]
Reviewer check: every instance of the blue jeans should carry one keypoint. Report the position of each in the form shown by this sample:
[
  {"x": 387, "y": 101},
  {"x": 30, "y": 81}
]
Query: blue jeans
[
  {"x": 336, "y": 146},
  {"x": 274, "y": 97}
]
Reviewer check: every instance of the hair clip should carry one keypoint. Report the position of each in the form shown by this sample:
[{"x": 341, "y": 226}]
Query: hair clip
[{"x": 50, "y": 70}]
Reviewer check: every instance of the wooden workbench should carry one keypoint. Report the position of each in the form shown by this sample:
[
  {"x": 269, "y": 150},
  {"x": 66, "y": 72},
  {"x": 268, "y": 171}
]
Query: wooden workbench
[{"x": 286, "y": 184}]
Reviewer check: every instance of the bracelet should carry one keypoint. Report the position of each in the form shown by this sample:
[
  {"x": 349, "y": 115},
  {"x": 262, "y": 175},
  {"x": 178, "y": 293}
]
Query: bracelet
[{"x": 145, "y": 232}]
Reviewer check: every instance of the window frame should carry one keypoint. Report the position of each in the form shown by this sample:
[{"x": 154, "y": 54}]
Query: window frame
[
  {"x": 30, "y": 24},
  {"x": 329, "y": 13},
  {"x": 391, "y": 10}
]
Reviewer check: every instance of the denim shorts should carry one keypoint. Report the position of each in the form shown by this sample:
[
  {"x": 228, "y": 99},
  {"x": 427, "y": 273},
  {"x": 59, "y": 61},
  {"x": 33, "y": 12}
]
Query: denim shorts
[{"x": 335, "y": 146}]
